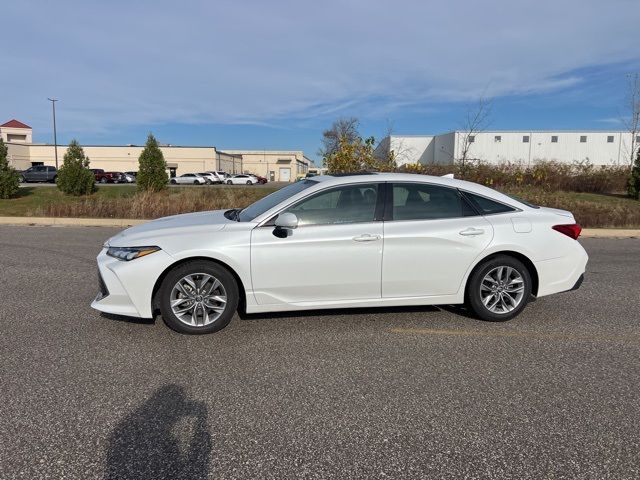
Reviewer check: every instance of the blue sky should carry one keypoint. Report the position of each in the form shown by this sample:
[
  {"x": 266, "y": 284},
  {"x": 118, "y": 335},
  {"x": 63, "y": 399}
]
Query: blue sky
[{"x": 272, "y": 75}]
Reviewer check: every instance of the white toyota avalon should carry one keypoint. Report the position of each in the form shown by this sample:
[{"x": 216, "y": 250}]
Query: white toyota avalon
[{"x": 367, "y": 240}]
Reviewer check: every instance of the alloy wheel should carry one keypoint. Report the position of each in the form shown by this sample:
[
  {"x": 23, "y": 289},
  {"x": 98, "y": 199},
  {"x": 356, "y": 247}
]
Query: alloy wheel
[
  {"x": 198, "y": 299},
  {"x": 502, "y": 289}
]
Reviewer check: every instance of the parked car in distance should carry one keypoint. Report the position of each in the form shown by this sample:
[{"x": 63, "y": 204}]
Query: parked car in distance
[
  {"x": 320, "y": 243},
  {"x": 128, "y": 178},
  {"x": 188, "y": 179},
  {"x": 261, "y": 180},
  {"x": 107, "y": 177},
  {"x": 242, "y": 179},
  {"x": 39, "y": 173},
  {"x": 209, "y": 178},
  {"x": 220, "y": 176}
]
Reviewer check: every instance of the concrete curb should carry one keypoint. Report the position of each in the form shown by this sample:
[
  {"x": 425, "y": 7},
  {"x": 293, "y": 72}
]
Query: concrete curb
[
  {"x": 610, "y": 233},
  {"x": 128, "y": 222}
]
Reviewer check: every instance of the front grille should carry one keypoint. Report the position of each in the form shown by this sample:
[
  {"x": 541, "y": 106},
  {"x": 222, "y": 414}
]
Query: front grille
[{"x": 104, "y": 291}]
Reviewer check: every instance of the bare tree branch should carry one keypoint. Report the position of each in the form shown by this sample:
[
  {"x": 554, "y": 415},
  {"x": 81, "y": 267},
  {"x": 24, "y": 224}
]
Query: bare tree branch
[{"x": 477, "y": 119}]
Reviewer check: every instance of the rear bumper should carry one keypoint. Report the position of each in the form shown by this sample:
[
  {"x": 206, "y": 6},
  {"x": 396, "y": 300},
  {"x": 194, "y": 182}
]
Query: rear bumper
[
  {"x": 578, "y": 283},
  {"x": 562, "y": 274}
]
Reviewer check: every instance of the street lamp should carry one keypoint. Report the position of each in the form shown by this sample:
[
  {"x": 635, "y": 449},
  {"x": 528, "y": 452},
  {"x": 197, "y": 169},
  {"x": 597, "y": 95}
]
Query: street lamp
[{"x": 55, "y": 135}]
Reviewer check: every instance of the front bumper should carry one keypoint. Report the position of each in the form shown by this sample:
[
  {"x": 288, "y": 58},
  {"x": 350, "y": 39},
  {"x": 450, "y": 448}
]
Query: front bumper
[{"x": 126, "y": 288}]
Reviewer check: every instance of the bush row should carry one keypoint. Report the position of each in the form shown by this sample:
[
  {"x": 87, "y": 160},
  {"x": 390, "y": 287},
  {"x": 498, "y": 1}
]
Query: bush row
[{"x": 547, "y": 175}]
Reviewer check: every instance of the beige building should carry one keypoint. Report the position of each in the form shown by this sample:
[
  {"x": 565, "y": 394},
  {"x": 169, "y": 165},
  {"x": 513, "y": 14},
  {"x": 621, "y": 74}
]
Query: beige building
[
  {"x": 275, "y": 166},
  {"x": 284, "y": 166}
]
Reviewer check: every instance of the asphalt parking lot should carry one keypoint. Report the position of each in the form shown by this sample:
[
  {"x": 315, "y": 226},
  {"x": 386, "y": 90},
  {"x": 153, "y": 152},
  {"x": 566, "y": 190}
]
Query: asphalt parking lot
[{"x": 394, "y": 393}]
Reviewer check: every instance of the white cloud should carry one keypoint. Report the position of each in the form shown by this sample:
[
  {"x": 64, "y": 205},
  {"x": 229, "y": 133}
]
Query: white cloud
[{"x": 139, "y": 63}]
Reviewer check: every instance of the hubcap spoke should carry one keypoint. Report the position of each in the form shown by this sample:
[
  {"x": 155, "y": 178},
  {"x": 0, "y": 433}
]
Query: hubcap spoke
[
  {"x": 198, "y": 299},
  {"x": 502, "y": 289}
]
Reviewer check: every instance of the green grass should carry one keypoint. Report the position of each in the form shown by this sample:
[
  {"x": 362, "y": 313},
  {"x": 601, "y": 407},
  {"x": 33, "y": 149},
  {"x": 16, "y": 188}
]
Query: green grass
[
  {"x": 591, "y": 210},
  {"x": 31, "y": 200}
]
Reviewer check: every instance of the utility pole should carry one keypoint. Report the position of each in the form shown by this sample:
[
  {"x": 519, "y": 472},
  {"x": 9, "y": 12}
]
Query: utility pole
[{"x": 55, "y": 134}]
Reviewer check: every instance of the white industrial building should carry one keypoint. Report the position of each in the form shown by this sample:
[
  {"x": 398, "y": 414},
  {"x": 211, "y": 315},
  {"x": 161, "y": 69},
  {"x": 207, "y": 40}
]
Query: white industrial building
[{"x": 526, "y": 147}]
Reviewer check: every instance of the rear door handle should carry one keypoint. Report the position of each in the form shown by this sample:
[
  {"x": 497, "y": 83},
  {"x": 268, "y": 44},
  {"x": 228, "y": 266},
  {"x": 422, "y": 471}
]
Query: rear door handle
[
  {"x": 467, "y": 232},
  {"x": 367, "y": 237}
]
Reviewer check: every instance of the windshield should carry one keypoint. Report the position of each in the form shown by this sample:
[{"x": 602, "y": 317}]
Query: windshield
[{"x": 270, "y": 201}]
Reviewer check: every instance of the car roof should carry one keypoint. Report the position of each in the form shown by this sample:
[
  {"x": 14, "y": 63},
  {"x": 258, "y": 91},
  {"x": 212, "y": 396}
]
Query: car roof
[{"x": 339, "y": 179}]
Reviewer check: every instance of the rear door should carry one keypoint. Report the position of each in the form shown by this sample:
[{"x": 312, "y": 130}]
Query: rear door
[{"x": 431, "y": 237}]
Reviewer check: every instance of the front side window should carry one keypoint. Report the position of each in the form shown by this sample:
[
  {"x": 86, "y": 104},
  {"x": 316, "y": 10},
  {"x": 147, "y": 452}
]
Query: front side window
[
  {"x": 416, "y": 201},
  {"x": 273, "y": 199},
  {"x": 348, "y": 204}
]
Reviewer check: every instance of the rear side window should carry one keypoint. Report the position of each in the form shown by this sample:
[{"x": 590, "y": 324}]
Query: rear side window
[
  {"x": 418, "y": 201},
  {"x": 487, "y": 206}
]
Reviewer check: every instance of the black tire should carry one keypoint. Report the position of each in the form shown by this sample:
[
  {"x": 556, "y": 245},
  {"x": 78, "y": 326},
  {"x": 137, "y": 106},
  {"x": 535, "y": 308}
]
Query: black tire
[
  {"x": 473, "y": 295},
  {"x": 194, "y": 267},
  {"x": 249, "y": 182},
  {"x": 23, "y": 179},
  {"x": 229, "y": 182},
  {"x": 172, "y": 182},
  {"x": 103, "y": 180},
  {"x": 55, "y": 179}
]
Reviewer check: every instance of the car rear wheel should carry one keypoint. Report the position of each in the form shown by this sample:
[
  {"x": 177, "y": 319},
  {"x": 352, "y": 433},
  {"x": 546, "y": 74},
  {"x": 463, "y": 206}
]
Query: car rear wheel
[
  {"x": 198, "y": 297},
  {"x": 248, "y": 182},
  {"x": 499, "y": 289},
  {"x": 196, "y": 182},
  {"x": 229, "y": 182},
  {"x": 103, "y": 180}
]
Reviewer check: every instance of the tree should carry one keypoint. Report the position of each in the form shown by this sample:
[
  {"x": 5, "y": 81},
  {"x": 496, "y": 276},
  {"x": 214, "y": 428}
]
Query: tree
[
  {"x": 74, "y": 176},
  {"x": 634, "y": 180},
  {"x": 152, "y": 171},
  {"x": 631, "y": 120},
  {"x": 342, "y": 129},
  {"x": 9, "y": 178},
  {"x": 357, "y": 155},
  {"x": 476, "y": 121}
]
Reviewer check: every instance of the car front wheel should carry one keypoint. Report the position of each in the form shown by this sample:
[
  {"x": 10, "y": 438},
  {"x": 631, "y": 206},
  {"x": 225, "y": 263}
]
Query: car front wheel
[
  {"x": 173, "y": 182},
  {"x": 198, "y": 297},
  {"x": 499, "y": 289},
  {"x": 229, "y": 182}
]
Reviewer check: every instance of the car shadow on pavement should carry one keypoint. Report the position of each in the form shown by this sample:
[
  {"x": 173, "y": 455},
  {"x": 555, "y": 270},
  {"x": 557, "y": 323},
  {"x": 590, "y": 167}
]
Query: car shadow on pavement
[
  {"x": 125, "y": 319},
  {"x": 164, "y": 438}
]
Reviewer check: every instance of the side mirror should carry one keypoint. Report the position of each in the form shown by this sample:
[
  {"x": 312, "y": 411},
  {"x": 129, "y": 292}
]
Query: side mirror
[{"x": 287, "y": 220}]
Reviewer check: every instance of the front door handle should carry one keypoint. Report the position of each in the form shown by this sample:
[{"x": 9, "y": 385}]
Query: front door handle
[
  {"x": 467, "y": 232},
  {"x": 367, "y": 237}
]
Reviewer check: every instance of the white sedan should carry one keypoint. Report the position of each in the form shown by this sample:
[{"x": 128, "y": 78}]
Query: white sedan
[
  {"x": 189, "y": 179},
  {"x": 371, "y": 240},
  {"x": 242, "y": 180}
]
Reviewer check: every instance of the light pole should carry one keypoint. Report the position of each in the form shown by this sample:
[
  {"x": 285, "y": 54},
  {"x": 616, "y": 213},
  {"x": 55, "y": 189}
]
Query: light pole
[{"x": 55, "y": 134}]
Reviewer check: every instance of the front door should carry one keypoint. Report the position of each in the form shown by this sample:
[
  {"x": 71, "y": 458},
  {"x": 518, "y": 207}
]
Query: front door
[
  {"x": 335, "y": 253},
  {"x": 431, "y": 240}
]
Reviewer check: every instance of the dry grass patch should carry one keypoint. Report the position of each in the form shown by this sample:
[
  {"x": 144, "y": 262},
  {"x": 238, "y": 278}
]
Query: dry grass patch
[{"x": 148, "y": 205}]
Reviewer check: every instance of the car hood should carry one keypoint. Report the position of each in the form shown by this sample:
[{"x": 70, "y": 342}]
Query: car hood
[{"x": 151, "y": 233}]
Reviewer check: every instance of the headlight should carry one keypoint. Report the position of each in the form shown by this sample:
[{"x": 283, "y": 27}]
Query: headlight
[{"x": 130, "y": 253}]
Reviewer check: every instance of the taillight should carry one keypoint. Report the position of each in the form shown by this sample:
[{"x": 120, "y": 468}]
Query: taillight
[{"x": 573, "y": 230}]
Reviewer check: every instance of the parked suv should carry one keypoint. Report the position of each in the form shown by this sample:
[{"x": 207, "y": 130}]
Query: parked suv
[
  {"x": 39, "y": 173},
  {"x": 107, "y": 177}
]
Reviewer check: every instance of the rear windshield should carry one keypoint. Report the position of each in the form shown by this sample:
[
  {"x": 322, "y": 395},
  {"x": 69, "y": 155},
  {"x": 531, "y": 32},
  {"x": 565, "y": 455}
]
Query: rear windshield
[{"x": 518, "y": 199}]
